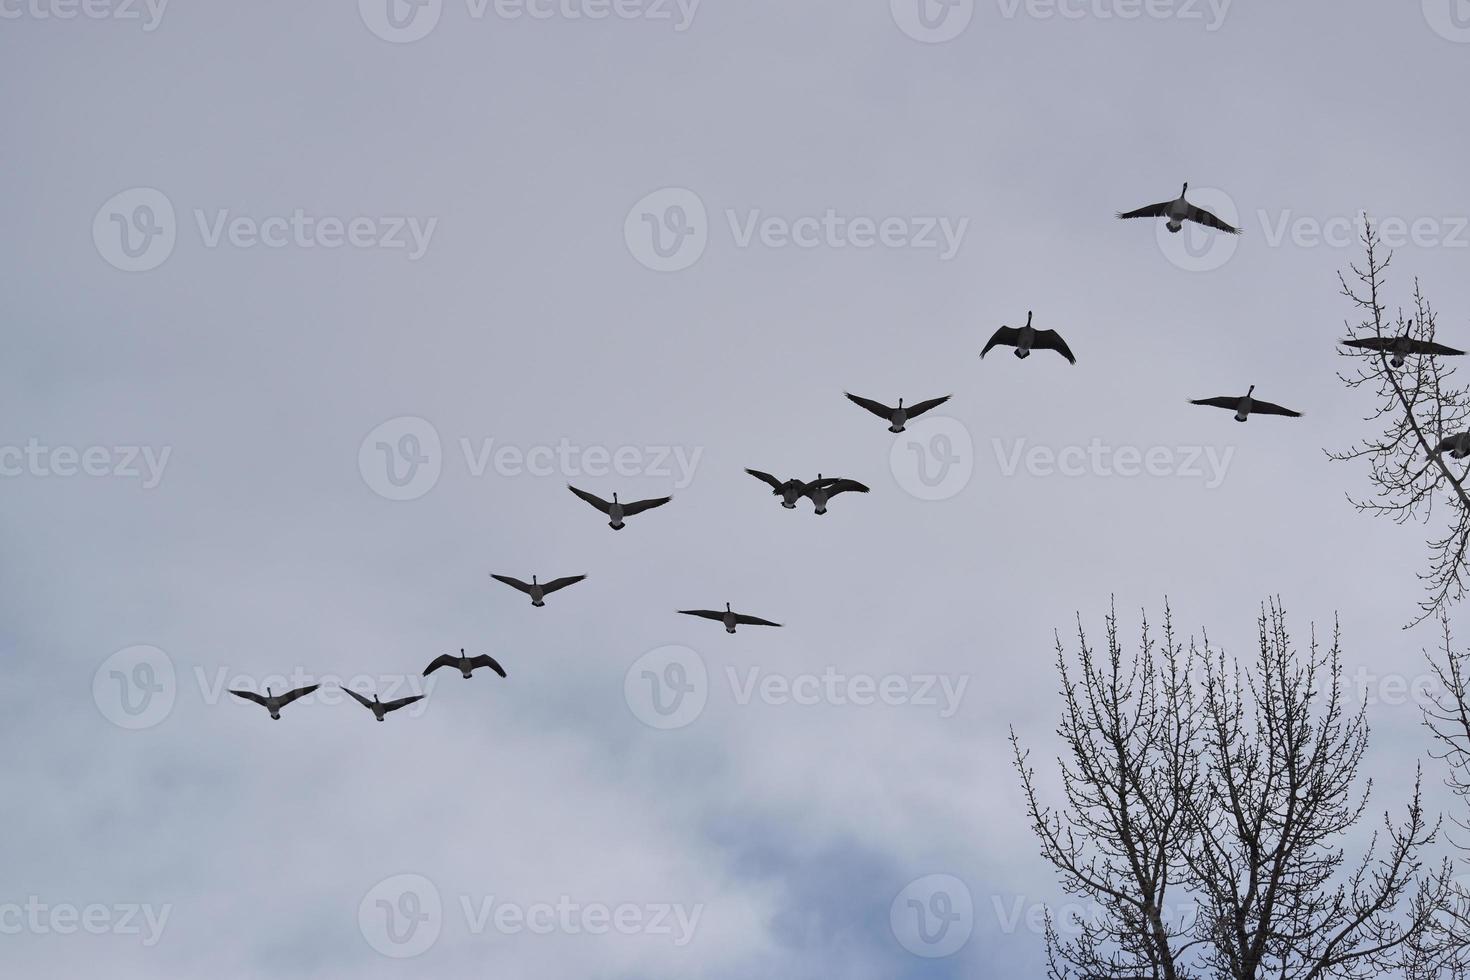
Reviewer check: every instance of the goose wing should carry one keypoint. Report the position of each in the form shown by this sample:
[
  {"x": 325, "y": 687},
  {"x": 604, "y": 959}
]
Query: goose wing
[
  {"x": 703, "y": 613},
  {"x": 1160, "y": 210},
  {"x": 1203, "y": 217},
  {"x": 1371, "y": 343},
  {"x": 1005, "y": 335},
  {"x": 591, "y": 498},
  {"x": 1430, "y": 347},
  {"x": 1051, "y": 340},
  {"x": 1259, "y": 407},
  {"x": 401, "y": 702},
  {"x": 877, "y": 408},
  {"x": 514, "y": 583},
  {"x": 441, "y": 661},
  {"x": 767, "y": 479},
  {"x": 250, "y": 696},
  {"x": 300, "y": 692},
  {"x": 485, "y": 660},
  {"x": 1446, "y": 444},
  {"x": 359, "y": 698},
  {"x": 846, "y": 486},
  {"x": 745, "y": 620},
  {"x": 923, "y": 407},
  {"x": 1222, "y": 401},
  {"x": 639, "y": 506},
  {"x": 561, "y": 583}
]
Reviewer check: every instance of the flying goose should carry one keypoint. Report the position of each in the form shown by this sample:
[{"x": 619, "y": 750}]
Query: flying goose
[
  {"x": 897, "y": 417},
  {"x": 822, "y": 490},
  {"x": 1457, "y": 446},
  {"x": 380, "y": 709},
  {"x": 1027, "y": 339},
  {"x": 537, "y": 590},
  {"x": 274, "y": 704},
  {"x": 1179, "y": 212},
  {"x": 730, "y": 619},
  {"x": 790, "y": 491},
  {"x": 1245, "y": 405},
  {"x": 466, "y": 665},
  {"x": 616, "y": 511},
  {"x": 1400, "y": 347}
]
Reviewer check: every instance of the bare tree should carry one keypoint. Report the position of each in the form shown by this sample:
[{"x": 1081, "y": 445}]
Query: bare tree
[
  {"x": 1418, "y": 406},
  {"x": 1229, "y": 786}
]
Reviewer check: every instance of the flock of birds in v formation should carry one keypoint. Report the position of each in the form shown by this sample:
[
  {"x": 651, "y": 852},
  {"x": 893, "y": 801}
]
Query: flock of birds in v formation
[{"x": 823, "y": 489}]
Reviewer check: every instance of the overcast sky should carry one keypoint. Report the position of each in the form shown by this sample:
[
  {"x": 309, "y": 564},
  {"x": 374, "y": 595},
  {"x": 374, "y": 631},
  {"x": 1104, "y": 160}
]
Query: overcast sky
[{"x": 313, "y": 310}]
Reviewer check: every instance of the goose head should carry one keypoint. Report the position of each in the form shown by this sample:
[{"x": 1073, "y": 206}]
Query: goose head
[
  {"x": 1252, "y": 391},
  {"x": 1028, "y": 318},
  {"x": 1185, "y": 191},
  {"x": 533, "y": 580}
]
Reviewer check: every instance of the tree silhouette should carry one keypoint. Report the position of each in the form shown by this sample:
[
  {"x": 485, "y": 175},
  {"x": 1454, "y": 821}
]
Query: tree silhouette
[
  {"x": 1196, "y": 780},
  {"x": 1418, "y": 406}
]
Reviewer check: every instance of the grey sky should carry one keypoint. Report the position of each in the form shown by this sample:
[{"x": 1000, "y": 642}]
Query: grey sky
[{"x": 518, "y": 148}]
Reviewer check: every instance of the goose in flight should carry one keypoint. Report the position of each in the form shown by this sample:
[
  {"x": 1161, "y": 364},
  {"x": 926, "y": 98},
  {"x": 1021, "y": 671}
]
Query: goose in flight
[
  {"x": 1457, "y": 446},
  {"x": 380, "y": 709},
  {"x": 730, "y": 619},
  {"x": 271, "y": 702},
  {"x": 790, "y": 491},
  {"x": 898, "y": 417},
  {"x": 466, "y": 665},
  {"x": 1400, "y": 347},
  {"x": 1246, "y": 405},
  {"x": 1178, "y": 212},
  {"x": 1027, "y": 339},
  {"x": 537, "y": 590},
  {"x": 616, "y": 510},
  {"x": 822, "y": 490}
]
